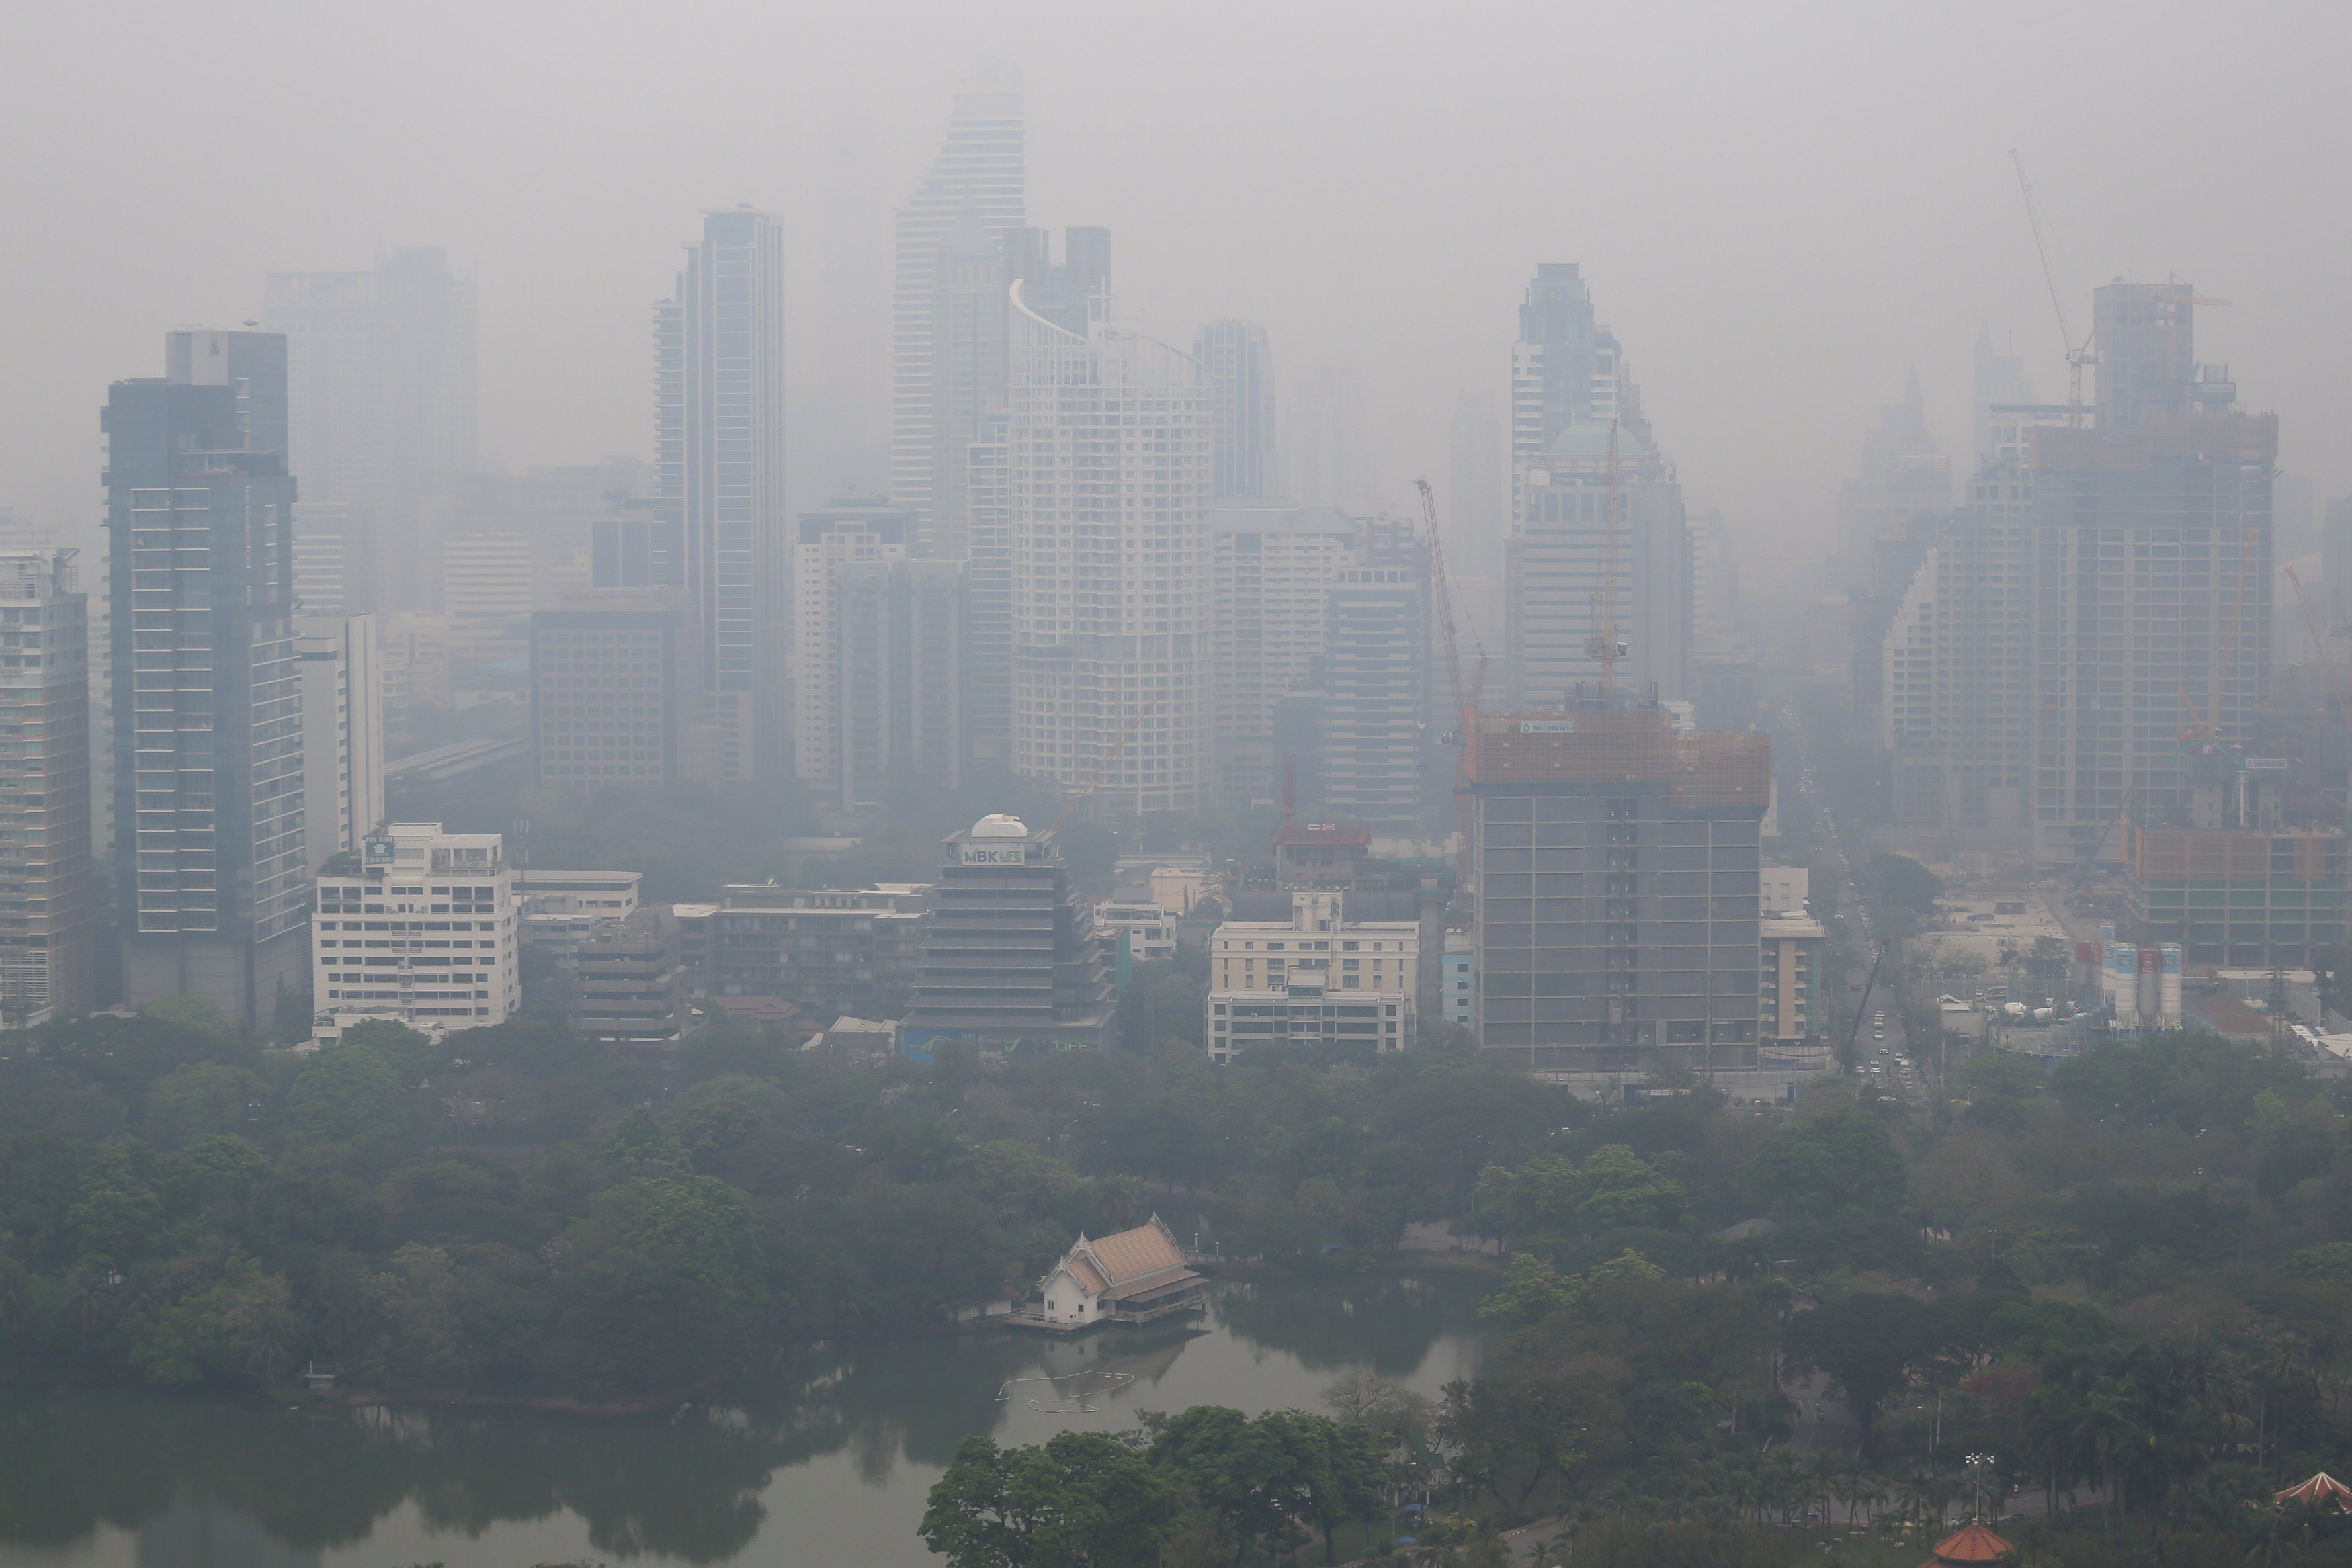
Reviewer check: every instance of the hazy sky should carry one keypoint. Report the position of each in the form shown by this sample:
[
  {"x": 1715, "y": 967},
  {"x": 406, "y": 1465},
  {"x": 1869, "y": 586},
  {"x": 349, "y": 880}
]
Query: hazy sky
[{"x": 1782, "y": 209}]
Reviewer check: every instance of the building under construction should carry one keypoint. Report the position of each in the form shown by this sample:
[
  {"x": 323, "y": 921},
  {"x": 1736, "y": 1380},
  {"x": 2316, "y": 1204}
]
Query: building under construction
[
  {"x": 1613, "y": 863},
  {"x": 2243, "y": 881}
]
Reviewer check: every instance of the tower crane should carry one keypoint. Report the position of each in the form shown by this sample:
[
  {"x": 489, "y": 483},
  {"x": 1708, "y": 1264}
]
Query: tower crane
[
  {"x": 2077, "y": 354},
  {"x": 1466, "y": 700}
]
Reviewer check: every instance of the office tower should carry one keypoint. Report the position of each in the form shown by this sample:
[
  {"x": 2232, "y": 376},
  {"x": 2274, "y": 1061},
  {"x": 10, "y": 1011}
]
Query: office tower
[
  {"x": 1565, "y": 368},
  {"x": 1008, "y": 959},
  {"x": 1327, "y": 444},
  {"x": 335, "y": 562},
  {"x": 1376, "y": 662},
  {"x": 381, "y": 415},
  {"x": 851, "y": 529},
  {"x": 719, "y": 477},
  {"x": 1316, "y": 975},
  {"x": 48, "y": 880},
  {"x": 1473, "y": 515},
  {"x": 1792, "y": 992},
  {"x": 2152, "y": 580},
  {"x": 1600, "y": 543},
  {"x": 1999, "y": 378},
  {"x": 562, "y": 512},
  {"x": 1614, "y": 866},
  {"x": 1240, "y": 365},
  {"x": 970, "y": 357},
  {"x": 2336, "y": 543},
  {"x": 420, "y": 966},
  {"x": 342, "y": 733},
  {"x": 1271, "y": 571},
  {"x": 975, "y": 181},
  {"x": 1903, "y": 484},
  {"x": 1108, "y": 483},
  {"x": 617, "y": 694},
  {"x": 210, "y": 867},
  {"x": 897, "y": 664}
]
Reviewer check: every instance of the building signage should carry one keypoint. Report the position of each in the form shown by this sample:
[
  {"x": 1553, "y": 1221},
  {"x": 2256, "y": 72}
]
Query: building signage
[
  {"x": 993, "y": 855},
  {"x": 1547, "y": 727},
  {"x": 378, "y": 851}
]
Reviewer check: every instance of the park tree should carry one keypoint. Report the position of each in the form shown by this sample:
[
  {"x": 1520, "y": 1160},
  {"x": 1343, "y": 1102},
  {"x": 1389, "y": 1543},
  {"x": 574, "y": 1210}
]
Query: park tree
[
  {"x": 1868, "y": 1343},
  {"x": 1080, "y": 1499},
  {"x": 1835, "y": 1161}
]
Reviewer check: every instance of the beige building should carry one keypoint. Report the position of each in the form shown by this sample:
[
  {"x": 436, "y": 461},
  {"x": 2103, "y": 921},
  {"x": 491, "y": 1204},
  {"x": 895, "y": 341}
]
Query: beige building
[{"x": 1313, "y": 977}]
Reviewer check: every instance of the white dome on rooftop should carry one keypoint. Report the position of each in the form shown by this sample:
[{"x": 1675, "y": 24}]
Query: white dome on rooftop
[{"x": 1000, "y": 825}]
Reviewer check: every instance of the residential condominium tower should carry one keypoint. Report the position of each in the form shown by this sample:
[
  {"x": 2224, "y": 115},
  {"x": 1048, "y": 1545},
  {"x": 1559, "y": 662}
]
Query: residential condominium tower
[
  {"x": 48, "y": 889},
  {"x": 718, "y": 460},
  {"x": 1109, "y": 475},
  {"x": 211, "y": 876},
  {"x": 1240, "y": 365}
]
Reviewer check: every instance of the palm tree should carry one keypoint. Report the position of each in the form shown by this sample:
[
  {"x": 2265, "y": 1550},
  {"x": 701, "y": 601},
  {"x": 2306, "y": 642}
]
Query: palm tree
[{"x": 1824, "y": 1474}]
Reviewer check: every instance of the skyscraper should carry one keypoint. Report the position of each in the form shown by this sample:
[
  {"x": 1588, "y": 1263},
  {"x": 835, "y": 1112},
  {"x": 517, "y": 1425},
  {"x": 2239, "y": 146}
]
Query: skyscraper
[
  {"x": 975, "y": 181},
  {"x": 1564, "y": 368},
  {"x": 851, "y": 530},
  {"x": 1573, "y": 571},
  {"x": 1108, "y": 485},
  {"x": 718, "y": 462},
  {"x": 381, "y": 415},
  {"x": 1999, "y": 378},
  {"x": 1240, "y": 364},
  {"x": 2151, "y": 577},
  {"x": 209, "y": 861},
  {"x": 48, "y": 891}
]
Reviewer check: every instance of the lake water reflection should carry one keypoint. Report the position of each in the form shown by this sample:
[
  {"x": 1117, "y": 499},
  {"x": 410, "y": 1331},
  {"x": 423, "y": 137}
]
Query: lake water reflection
[{"x": 825, "y": 1458}]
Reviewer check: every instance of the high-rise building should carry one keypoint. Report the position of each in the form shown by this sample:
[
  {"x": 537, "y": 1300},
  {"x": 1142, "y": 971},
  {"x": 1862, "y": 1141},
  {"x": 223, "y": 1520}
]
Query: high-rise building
[
  {"x": 1999, "y": 378},
  {"x": 1599, "y": 551},
  {"x": 1273, "y": 570},
  {"x": 1328, "y": 445},
  {"x": 1008, "y": 959},
  {"x": 2151, "y": 577},
  {"x": 381, "y": 410},
  {"x": 211, "y": 871},
  {"x": 408, "y": 959},
  {"x": 897, "y": 662},
  {"x": 975, "y": 185},
  {"x": 617, "y": 692},
  {"x": 1565, "y": 368},
  {"x": 850, "y": 531},
  {"x": 1375, "y": 711},
  {"x": 1241, "y": 428},
  {"x": 1109, "y": 479},
  {"x": 48, "y": 881},
  {"x": 489, "y": 583},
  {"x": 719, "y": 465},
  {"x": 342, "y": 733},
  {"x": 1614, "y": 863}
]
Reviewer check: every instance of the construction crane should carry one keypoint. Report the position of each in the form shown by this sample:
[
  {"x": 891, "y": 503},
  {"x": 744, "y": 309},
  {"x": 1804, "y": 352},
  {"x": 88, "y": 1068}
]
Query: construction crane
[
  {"x": 1108, "y": 757},
  {"x": 1466, "y": 701},
  {"x": 1604, "y": 643},
  {"x": 2336, "y": 681},
  {"x": 2077, "y": 354}
]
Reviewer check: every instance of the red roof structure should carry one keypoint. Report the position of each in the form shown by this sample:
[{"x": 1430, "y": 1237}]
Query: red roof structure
[
  {"x": 2322, "y": 1490},
  {"x": 1972, "y": 1542}
]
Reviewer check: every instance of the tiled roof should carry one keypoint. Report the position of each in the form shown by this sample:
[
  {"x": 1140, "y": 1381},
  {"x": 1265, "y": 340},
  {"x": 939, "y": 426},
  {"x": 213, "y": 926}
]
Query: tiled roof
[
  {"x": 1131, "y": 1254},
  {"x": 1969, "y": 1543}
]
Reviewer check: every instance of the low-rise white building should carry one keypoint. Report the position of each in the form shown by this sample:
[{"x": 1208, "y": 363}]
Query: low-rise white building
[
  {"x": 1150, "y": 930},
  {"x": 1313, "y": 977},
  {"x": 1133, "y": 1276},
  {"x": 424, "y": 933},
  {"x": 561, "y": 909}
]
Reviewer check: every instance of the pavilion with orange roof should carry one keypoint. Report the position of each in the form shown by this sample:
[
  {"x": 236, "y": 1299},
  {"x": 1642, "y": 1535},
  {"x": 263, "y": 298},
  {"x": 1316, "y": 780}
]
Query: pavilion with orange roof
[{"x": 1971, "y": 1544}]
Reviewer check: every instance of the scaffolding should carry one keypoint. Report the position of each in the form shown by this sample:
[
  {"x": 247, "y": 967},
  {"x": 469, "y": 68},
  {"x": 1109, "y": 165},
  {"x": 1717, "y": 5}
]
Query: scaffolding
[{"x": 1622, "y": 743}]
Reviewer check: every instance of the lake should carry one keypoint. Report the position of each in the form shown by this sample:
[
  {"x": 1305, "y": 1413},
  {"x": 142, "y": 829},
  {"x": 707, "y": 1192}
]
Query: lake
[{"x": 826, "y": 1458}]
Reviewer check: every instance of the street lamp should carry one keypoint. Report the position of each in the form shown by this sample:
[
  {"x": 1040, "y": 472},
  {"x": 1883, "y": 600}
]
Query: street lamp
[{"x": 1976, "y": 1463}]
